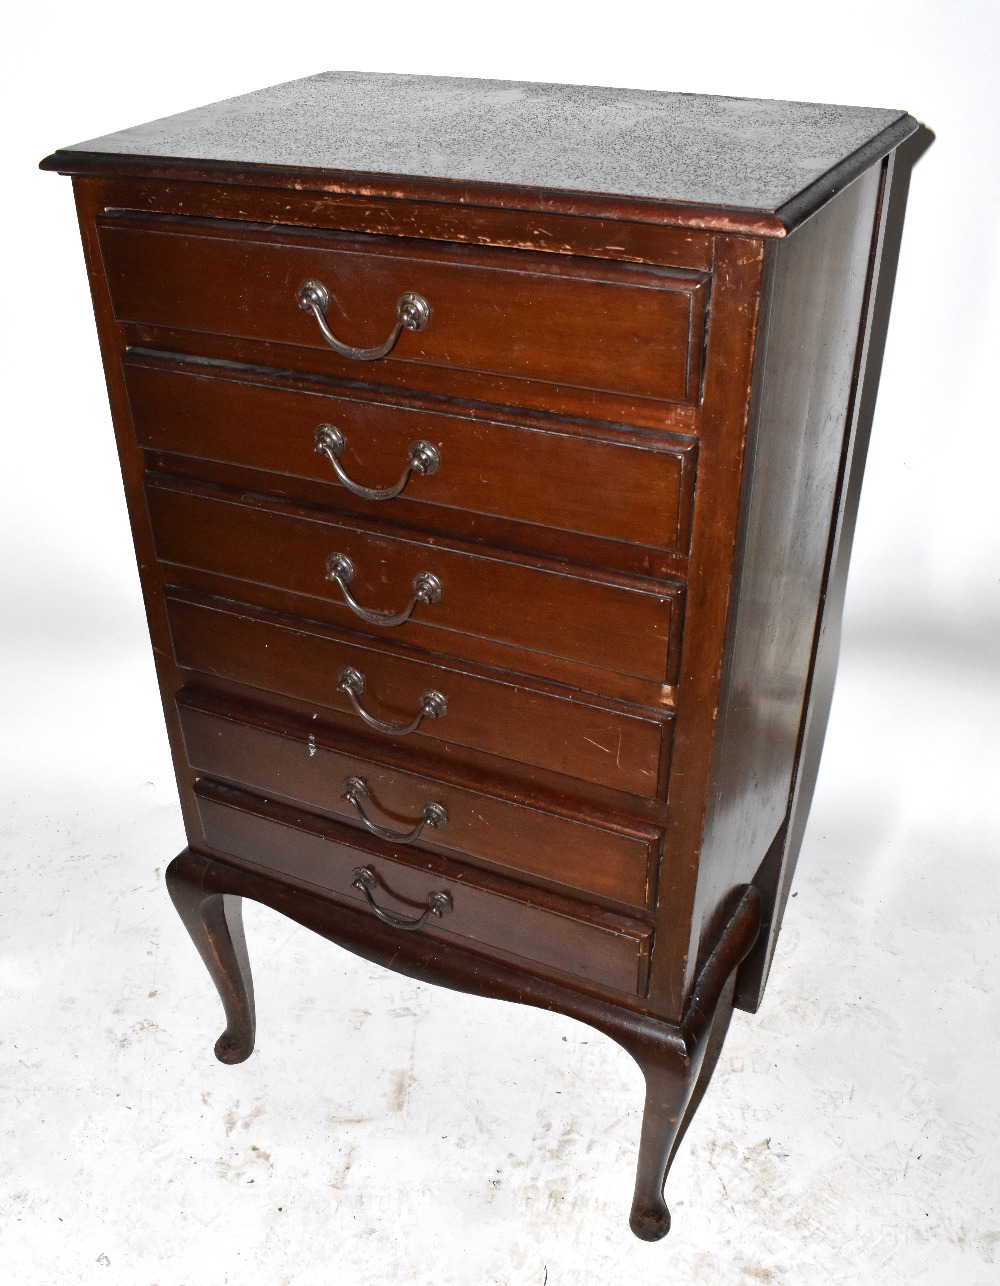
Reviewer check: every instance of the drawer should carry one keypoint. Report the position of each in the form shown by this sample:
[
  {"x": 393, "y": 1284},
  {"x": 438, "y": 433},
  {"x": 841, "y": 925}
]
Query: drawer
[
  {"x": 487, "y": 913},
  {"x": 500, "y": 715},
  {"x": 551, "y": 319},
  {"x": 271, "y": 752},
  {"x": 569, "y": 480},
  {"x": 627, "y": 628}
]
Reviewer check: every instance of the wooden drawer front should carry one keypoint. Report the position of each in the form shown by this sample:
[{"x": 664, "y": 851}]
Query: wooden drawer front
[
  {"x": 552, "y": 319},
  {"x": 592, "y": 743},
  {"x": 602, "y": 488},
  {"x": 489, "y": 914},
  {"x": 610, "y": 626},
  {"x": 271, "y": 753}
]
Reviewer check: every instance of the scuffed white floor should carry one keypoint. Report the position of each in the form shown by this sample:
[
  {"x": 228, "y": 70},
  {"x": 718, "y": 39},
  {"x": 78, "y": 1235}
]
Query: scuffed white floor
[{"x": 388, "y": 1132}]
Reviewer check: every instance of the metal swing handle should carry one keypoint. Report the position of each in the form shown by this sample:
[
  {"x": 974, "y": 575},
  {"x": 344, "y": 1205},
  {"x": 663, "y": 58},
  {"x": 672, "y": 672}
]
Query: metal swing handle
[
  {"x": 412, "y": 313},
  {"x": 433, "y": 815},
  {"x": 422, "y": 458},
  {"x": 426, "y": 589},
  {"x": 438, "y": 903},
  {"x": 433, "y": 705}
]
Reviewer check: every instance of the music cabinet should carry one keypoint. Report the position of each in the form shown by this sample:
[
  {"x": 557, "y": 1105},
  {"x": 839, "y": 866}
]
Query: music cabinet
[{"x": 491, "y": 452}]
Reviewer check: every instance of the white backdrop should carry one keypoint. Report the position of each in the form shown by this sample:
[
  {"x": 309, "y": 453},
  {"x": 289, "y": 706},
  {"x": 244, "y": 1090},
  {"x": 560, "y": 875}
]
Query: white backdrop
[{"x": 912, "y": 759}]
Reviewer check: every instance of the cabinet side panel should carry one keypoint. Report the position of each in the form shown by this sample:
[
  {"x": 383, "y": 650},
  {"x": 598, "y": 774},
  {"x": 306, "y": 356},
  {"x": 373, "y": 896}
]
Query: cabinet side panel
[
  {"x": 774, "y": 879},
  {"x": 799, "y": 423},
  {"x": 90, "y": 204}
]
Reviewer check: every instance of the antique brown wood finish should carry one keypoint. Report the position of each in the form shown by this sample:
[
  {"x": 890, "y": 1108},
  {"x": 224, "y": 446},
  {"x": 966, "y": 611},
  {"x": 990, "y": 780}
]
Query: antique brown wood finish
[
  {"x": 456, "y": 389},
  {"x": 774, "y": 878},
  {"x": 574, "y": 772},
  {"x": 132, "y": 463},
  {"x": 585, "y": 482},
  {"x": 608, "y": 743},
  {"x": 611, "y": 239},
  {"x": 530, "y": 608},
  {"x": 606, "y": 950},
  {"x": 796, "y": 439},
  {"x": 260, "y": 748},
  {"x": 243, "y": 280},
  {"x": 677, "y": 1059}
]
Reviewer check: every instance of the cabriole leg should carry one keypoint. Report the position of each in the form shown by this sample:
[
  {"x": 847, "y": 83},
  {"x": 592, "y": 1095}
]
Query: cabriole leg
[
  {"x": 676, "y": 1082},
  {"x": 215, "y": 922}
]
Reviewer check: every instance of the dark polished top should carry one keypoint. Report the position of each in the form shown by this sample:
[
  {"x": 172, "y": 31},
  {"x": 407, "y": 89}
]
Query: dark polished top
[{"x": 752, "y": 155}]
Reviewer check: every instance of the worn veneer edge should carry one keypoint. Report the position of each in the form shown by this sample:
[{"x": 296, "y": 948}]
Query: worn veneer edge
[{"x": 729, "y": 219}]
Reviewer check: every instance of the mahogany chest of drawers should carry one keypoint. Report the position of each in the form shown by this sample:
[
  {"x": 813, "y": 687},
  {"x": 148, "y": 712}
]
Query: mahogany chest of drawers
[{"x": 491, "y": 452}]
